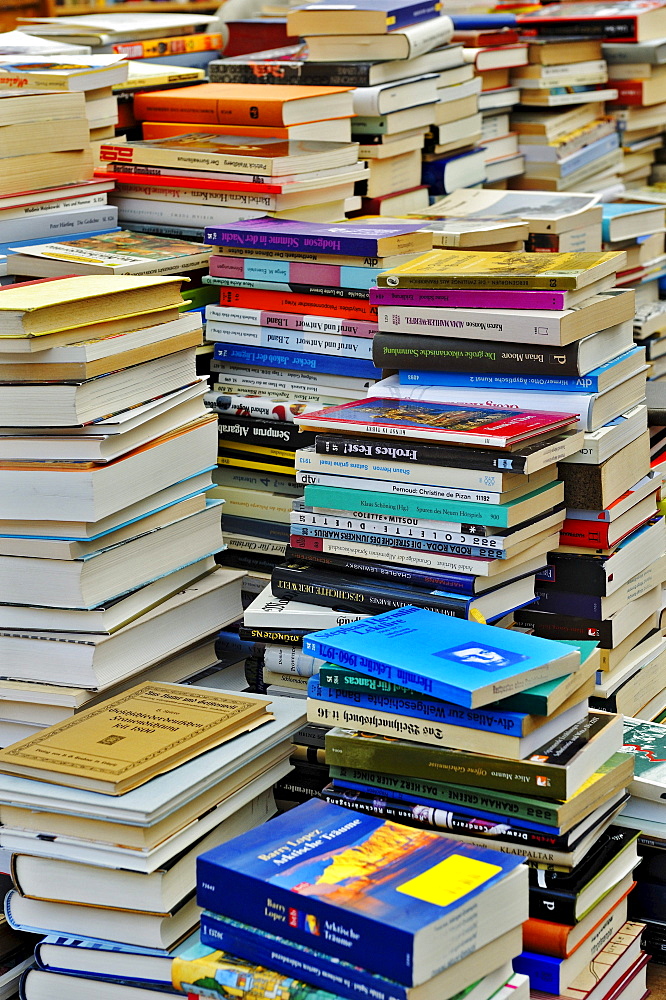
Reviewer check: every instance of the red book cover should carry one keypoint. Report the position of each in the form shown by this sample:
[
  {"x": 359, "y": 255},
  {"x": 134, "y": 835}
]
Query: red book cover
[
  {"x": 629, "y": 92},
  {"x": 186, "y": 183},
  {"x": 257, "y": 34}
]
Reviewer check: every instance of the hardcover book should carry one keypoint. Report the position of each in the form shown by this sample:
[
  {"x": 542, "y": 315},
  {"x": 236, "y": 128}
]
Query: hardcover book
[
  {"x": 365, "y": 890},
  {"x": 425, "y": 421},
  {"x": 104, "y": 749},
  {"x": 458, "y": 661}
]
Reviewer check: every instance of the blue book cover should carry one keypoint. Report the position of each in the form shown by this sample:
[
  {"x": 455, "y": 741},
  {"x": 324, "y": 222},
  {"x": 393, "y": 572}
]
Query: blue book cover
[
  {"x": 611, "y": 210},
  {"x": 506, "y": 723},
  {"x": 433, "y": 172},
  {"x": 482, "y": 22},
  {"x": 403, "y": 902},
  {"x": 545, "y": 971},
  {"x": 397, "y": 542},
  {"x": 348, "y": 238},
  {"x": 588, "y": 154},
  {"x": 254, "y": 526},
  {"x": 458, "y": 661},
  {"x": 290, "y": 957},
  {"x": 331, "y": 364},
  {"x": 564, "y": 383},
  {"x": 110, "y": 961}
]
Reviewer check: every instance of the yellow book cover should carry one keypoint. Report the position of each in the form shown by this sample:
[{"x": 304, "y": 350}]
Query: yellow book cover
[
  {"x": 55, "y": 304},
  {"x": 140, "y": 733},
  {"x": 515, "y": 270}
]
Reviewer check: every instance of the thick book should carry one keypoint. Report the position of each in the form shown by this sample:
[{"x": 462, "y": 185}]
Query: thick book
[
  {"x": 403, "y": 890},
  {"x": 244, "y": 104},
  {"x": 53, "y": 73},
  {"x": 371, "y": 17},
  {"x": 269, "y": 357},
  {"x": 353, "y": 239},
  {"x": 421, "y": 356},
  {"x": 319, "y": 303},
  {"x": 68, "y": 753},
  {"x": 624, "y": 20},
  {"x": 473, "y": 269},
  {"x": 462, "y": 662},
  {"x": 427, "y": 421}
]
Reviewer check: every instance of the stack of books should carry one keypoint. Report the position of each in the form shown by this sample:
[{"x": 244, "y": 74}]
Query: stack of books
[
  {"x": 397, "y": 911},
  {"x": 165, "y": 770},
  {"x": 148, "y": 74},
  {"x": 47, "y": 189},
  {"x": 292, "y": 333},
  {"x": 182, "y": 184},
  {"x": 107, "y": 536},
  {"x": 414, "y": 696},
  {"x": 604, "y": 578}
]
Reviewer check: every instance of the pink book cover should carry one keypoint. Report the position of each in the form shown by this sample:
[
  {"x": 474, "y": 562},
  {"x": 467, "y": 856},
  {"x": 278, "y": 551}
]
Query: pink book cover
[{"x": 461, "y": 299}]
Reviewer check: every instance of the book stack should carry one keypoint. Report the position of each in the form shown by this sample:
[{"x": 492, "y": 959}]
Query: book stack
[
  {"x": 292, "y": 333},
  {"x": 643, "y": 817},
  {"x": 201, "y": 179},
  {"x": 107, "y": 536},
  {"x": 383, "y": 684},
  {"x": 575, "y": 146},
  {"x": 182, "y": 769},
  {"x": 354, "y": 929},
  {"x": 47, "y": 188},
  {"x": 493, "y": 53},
  {"x": 92, "y": 76},
  {"x": 604, "y": 578},
  {"x": 148, "y": 74}
]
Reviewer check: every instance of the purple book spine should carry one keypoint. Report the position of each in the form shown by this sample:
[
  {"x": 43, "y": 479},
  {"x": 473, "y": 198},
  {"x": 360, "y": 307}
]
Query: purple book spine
[
  {"x": 459, "y": 298},
  {"x": 354, "y": 246}
]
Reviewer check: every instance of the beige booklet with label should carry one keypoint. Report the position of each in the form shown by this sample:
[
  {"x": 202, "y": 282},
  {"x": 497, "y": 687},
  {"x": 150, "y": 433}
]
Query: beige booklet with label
[{"x": 127, "y": 740}]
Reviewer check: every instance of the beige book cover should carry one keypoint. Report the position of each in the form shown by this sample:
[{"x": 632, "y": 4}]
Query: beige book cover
[{"x": 129, "y": 739}]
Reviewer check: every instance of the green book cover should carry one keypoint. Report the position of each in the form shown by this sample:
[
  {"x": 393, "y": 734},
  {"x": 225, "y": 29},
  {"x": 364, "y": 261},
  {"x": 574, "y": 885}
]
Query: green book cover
[
  {"x": 647, "y": 742},
  {"x": 495, "y": 515},
  {"x": 536, "y": 700}
]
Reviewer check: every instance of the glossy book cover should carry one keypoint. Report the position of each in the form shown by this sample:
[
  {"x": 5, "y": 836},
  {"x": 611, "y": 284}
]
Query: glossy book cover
[
  {"x": 359, "y": 887},
  {"x": 458, "y": 661},
  {"x": 424, "y": 420}
]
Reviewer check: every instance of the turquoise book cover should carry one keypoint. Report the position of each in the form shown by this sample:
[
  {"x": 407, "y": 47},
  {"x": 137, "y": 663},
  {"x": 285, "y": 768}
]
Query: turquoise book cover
[{"x": 458, "y": 661}]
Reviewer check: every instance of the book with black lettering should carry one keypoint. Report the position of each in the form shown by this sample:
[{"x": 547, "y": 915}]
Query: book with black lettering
[
  {"x": 565, "y": 897},
  {"x": 530, "y": 458},
  {"x": 253, "y": 459},
  {"x": 250, "y": 430},
  {"x": 551, "y": 626},
  {"x": 301, "y": 582},
  {"x": 296, "y": 287},
  {"x": 419, "y": 352},
  {"x": 250, "y": 561},
  {"x": 554, "y": 772}
]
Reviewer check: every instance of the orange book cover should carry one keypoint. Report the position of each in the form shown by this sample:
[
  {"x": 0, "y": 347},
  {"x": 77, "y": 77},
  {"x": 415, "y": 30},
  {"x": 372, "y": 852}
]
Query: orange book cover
[
  {"x": 553, "y": 939},
  {"x": 229, "y": 103}
]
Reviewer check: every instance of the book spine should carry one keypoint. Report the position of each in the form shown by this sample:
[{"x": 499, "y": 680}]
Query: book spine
[
  {"x": 290, "y": 660},
  {"x": 590, "y": 534},
  {"x": 563, "y": 602},
  {"x": 322, "y": 305},
  {"x": 263, "y": 432},
  {"x": 280, "y": 636},
  {"x": 351, "y": 246},
  {"x": 441, "y": 763},
  {"x": 291, "y": 321},
  {"x": 620, "y": 29},
  {"x": 399, "y": 488},
  {"x": 269, "y": 907},
  {"x": 463, "y": 484},
  {"x": 520, "y": 282},
  {"x": 254, "y": 269},
  {"x": 395, "y": 541},
  {"x": 264, "y": 71},
  {"x": 550, "y": 626},
  {"x": 461, "y": 299},
  {"x": 176, "y": 45},
  {"x": 272, "y": 358},
  {"x": 256, "y": 406},
  {"x": 576, "y": 574},
  {"x": 521, "y": 328},
  {"x": 300, "y": 514},
  {"x": 433, "y": 354},
  {"x": 429, "y": 580},
  {"x": 547, "y": 905},
  {"x": 629, "y": 92},
  {"x": 490, "y": 381},
  {"x": 334, "y": 498},
  {"x": 461, "y": 797},
  {"x": 433, "y": 709},
  {"x": 255, "y": 527},
  {"x": 299, "y": 288},
  {"x": 292, "y": 340},
  {"x": 415, "y": 451},
  {"x": 283, "y": 956},
  {"x": 340, "y": 679}
]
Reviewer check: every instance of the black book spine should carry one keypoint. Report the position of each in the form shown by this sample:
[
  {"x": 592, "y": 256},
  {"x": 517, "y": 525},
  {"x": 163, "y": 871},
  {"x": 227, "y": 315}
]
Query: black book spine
[
  {"x": 554, "y": 907},
  {"x": 276, "y": 433},
  {"x": 621, "y": 29},
  {"x": 550, "y": 626},
  {"x": 415, "y": 451},
  {"x": 273, "y": 530},
  {"x": 306, "y": 584},
  {"x": 448, "y": 354},
  {"x": 275, "y": 636},
  {"x": 390, "y": 572},
  {"x": 238, "y": 559},
  {"x": 575, "y": 574}
]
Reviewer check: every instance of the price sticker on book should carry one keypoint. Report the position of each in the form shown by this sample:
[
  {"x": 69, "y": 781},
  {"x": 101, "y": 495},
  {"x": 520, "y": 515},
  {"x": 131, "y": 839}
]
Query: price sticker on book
[{"x": 450, "y": 880}]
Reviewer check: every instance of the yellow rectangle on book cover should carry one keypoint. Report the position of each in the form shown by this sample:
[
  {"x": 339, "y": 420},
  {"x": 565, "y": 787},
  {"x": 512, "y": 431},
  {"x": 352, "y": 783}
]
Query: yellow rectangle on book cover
[
  {"x": 450, "y": 880},
  {"x": 129, "y": 739}
]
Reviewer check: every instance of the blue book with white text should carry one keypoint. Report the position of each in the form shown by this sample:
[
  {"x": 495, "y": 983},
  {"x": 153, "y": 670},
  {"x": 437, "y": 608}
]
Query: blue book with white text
[
  {"x": 268, "y": 357},
  {"x": 458, "y": 661}
]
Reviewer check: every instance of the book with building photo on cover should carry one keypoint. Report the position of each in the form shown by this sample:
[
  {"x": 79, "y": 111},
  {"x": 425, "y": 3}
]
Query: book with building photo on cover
[
  {"x": 458, "y": 661},
  {"x": 427, "y": 421}
]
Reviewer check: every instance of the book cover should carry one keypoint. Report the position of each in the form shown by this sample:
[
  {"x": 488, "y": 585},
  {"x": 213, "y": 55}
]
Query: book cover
[
  {"x": 478, "y": 299},
  {"x": 461, "y": 662},
  {"x": 620, "y": 21},
  {"x": 268, "y": 357},
  {"x": 53, "y": 73},
  {"x": 352, "y": 239},
  {"x": 364, "y": 16},
  {"x": 646, "y": 741},
  {"x": 426, "y": 420},
  {"x": 119, "y": 250},
  {"x": 174, "y": 725},
  {"x": 474, "y": 269},
  {"x": 323, "y": 305},
  {"x": 358, "y": 887}
]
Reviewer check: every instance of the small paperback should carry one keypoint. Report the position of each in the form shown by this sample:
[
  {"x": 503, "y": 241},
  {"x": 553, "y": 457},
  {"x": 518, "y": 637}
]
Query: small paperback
[
  {"x": 393, "y": 897},
  {"x": 112, "y": 253},
  {"x": 458, "y": 661},
  {"x": 469, "y": 269},
  {"x": 140, "y": 733},
  {"x": 53, "y": 73},
  {"x": 426, "y": 421}
]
